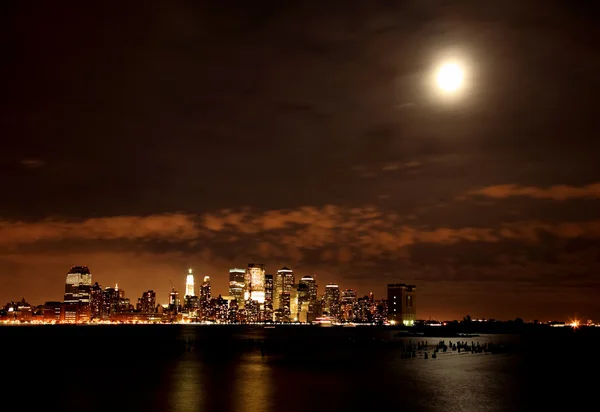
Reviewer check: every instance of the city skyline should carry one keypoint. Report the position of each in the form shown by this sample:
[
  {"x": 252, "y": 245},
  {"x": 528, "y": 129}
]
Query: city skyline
[{"x": 451, "y": 145}]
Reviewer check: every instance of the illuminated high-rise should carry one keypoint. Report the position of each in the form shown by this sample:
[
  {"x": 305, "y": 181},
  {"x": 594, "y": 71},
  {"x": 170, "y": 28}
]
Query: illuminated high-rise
[
  {"x": 349, "y": 296},
  {"x": 332, "y": 299},
  {"x": 189, "y": 283},
  {"x": 110, "y": 301},
  {"x": 236, "y": 284},
  {"x": 284, "y": 281},
  {"x": 96, "y": 301},
  {"x": 78, "y": 286},
  {"x": 205, "y": 289},
  {"x": 402, "y": 307},
  {"x": 148, "y": 302},
  {"x": 309, "y": 281},
  {"x": 254, "y": 283},
  {"x": 268, "y": 313},
  {"x": 174, "y": 301}
]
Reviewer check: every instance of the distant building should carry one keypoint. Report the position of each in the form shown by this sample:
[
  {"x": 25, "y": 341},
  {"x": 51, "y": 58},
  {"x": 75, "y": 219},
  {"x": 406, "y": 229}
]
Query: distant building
[
  {"x": 284, "y": 281},
  {"x": 110, "y": 301},
  {"x": 148, "y": 302},
  {"x": 53, "y": 311},
  {"x": 332, "y": 300},
  {"x": 189, "y": 284},
  {"x": 78, "y": 285},
  {"x": 78, "y": 289},
  {"x": 205, "y": 289},
  {"x": 254, "y": 283},
  {"x": 236, "y": 284},
  {"x": 174, "y": 301},
  {"x": 268, "y": 311},
  {"x": 97, "y": 301},
  {"x": 309, "y": 281},
  {"x": 401, "y": 304},
  {"x": 349, "y": 296}
]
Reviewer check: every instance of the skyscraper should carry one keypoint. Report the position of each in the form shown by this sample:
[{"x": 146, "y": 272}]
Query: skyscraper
[
  {"x": 97, "y": 299},
  {"x": 236, "y": 284},
  {"x": 402, "y": 303},
  {"x": 332, "y": 299},
  {"x": 189, "y": 283},
  {"x": 78, "y": 286},
  {"x": 148, "y": 302},
  {"x": 284, "y": 281},
  {"x": 269, "y": 289},
  {"x": 174, "y": 301},
  {"x": 309, "y": 281},
  {"x": 254, "y": 283},
  {"x": 205, "y": 289},
  {"x": 349, "y": 296}
]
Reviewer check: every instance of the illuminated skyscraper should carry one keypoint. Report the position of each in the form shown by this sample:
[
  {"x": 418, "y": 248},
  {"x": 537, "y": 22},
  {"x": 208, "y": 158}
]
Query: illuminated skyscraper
[
  {"x": 254, "y": 283},
  {"x": 174, "y": 301},
  {"x": 97, "y": 299},
  {"x": 332, "y": 299},
  {"x": 110, "y": 301},
  {"x": 148, "y": 302},
  {"x": 78, "y": 285},
  {"x": 205, "y": 289},
  {"x": 284, "y": 281},
  {"x": 309, "y": 281},
  {"x": 268, "y": 313},
  {"x": 189, "y": 284},
  {"x": 236, "y": 284},
  {"x": 401, "y": 303},
  {"x": 349, "y": 296}
]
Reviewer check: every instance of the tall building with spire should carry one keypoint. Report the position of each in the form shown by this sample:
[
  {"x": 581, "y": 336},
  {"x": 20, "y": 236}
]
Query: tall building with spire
[{"x": 189, "y": 283}]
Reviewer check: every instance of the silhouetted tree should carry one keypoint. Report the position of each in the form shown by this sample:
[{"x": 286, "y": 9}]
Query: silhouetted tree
[{"x": 467, "y": 319}]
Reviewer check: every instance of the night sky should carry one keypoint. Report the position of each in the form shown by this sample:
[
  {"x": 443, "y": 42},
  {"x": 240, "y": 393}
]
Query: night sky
[{"x": 143, "y": 140}]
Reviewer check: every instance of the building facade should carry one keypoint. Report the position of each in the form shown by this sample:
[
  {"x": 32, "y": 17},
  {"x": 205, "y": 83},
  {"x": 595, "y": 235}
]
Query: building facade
[
  {"x": 189, "y": 283},
  {"x": 401, "y": 304},
  {"x": 283, "y": 283},
  {"x": 254, "y": 283},
  {"x": 205, "y": 291},
  {"x": 236, "y": 284}
]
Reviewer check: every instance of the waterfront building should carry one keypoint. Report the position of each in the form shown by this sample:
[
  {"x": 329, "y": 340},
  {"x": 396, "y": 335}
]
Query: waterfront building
[
  {"x": 332, "y": 300},
  {"x": 189, "y": 283},
  {"x": 284, "y": 281},
  {"x": 254, "y": 283},
  {"x": 205, "y": 291},
  {"x": 97, "y": 301},
  {"x": 78, "y": 286},
  {"x": 311, "y": 284},
  {"x": 401, "y": 304},
  {"x": 148, "y": 302},
  {"x": 236, "y": 284}
]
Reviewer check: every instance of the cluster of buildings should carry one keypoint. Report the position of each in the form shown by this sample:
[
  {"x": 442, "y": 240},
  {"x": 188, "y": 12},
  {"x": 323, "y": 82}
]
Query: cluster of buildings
[{"x": 254, "y": 296}]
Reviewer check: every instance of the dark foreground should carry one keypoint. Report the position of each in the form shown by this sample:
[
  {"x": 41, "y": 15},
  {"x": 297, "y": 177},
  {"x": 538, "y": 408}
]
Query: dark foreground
[{"x": 236, "y": 368}]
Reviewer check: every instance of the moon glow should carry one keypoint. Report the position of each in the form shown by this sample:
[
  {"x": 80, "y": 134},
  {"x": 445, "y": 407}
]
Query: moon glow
[{"x": 450, "y": 77}]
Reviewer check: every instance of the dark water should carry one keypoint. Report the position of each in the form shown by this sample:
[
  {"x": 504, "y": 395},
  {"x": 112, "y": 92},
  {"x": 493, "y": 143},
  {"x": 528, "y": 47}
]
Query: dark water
[{"x": 222, "y": 368}]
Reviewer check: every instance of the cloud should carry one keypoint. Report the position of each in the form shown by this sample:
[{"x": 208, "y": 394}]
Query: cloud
[
  {"x": 557, "y": 192},
  {"x": 366, "y": 231},
  {"x": 173, "y": 227},
  {"x": 32, "y": 163}
]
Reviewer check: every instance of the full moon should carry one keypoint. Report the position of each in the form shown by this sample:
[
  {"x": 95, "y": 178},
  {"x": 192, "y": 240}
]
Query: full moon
[{"x": 450, "y": 77}]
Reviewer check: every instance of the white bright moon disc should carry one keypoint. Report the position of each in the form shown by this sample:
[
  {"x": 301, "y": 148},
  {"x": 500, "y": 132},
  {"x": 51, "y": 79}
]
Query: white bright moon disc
[{"x": 450, "y": 77}]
